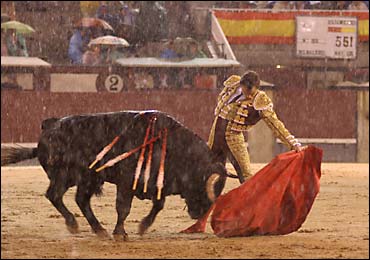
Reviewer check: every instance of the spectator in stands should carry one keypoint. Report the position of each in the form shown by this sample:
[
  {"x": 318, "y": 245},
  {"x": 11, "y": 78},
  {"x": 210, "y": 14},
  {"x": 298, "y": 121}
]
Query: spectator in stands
[
  {"x": 4, "y": 48},
  {"x": 15, "y": 43},
  {"x": 77, "y": 45},
  {"x": 182, "y": 79},
  {"x": 95, "y": 32},
  {"x": 113, "y": 54},
  {"x": 358, "y": 5},
  {"x": 367, "y": 4},
  {"x": 143, "y": 80},
  {"x": 341, "y": 5},
  {"x": 4, "y": 18},
  {"x": 282, "y": 5},
  {"x": 324, "y": 5},
  {"x": 270, "y": 4},
  {"x": 102, "y": 13},
  {"x": 126, "y": 21},
  {"x": 127, "y": 16},
  {"x": 92, "y": 56},
  {"x": 89, "y": 8},
  {"x": 129, "y": 78},
  {"x": 262, "y": 4},
  {"x": 169, "y": 51},
  {"x": 163, "y": 80},
  {"x": 299, "y": 5},
  {"x": 194, "y": 51},
  {"x": 248, "y": 4},
  {"x": 179, "y": 19},
  {"x": 203, "y": 80},
  {"x": 315, "y": 5}
]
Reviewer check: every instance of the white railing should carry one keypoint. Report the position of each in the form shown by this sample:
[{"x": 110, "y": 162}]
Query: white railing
[{"x": 220, "y": 38}]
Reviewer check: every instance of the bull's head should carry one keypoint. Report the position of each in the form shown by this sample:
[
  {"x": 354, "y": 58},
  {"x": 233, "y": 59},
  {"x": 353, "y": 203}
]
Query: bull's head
[
  {"x": 203, "y": 181},
  {"x": 212, "y": 184}
]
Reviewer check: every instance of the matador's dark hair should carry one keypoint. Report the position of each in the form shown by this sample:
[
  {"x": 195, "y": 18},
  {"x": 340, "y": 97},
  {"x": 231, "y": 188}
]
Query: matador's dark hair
[{"x": 250, "y": 79}]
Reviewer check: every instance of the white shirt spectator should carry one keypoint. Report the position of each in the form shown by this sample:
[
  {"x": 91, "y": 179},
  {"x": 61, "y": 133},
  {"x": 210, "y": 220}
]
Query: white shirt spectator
[{"x": 358, "y": 5}]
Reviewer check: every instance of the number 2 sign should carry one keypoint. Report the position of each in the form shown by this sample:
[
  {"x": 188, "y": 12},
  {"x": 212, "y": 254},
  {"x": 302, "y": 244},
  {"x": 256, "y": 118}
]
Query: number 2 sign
[{"x": 113, "y": 83}]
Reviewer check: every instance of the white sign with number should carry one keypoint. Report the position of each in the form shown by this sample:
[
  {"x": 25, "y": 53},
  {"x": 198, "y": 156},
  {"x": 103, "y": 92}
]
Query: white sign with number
[
  {"x": 113, "y": 83},
  {"x": 326, "y": 37}
]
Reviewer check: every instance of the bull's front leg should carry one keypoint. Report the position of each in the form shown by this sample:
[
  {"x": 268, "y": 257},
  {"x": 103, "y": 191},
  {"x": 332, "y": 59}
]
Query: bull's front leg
[
  {"x": 83, "y": 197},
  {"x": 149, "y": 219},
  {"x": 55, "y": 194},
  {"x": 123, "y": 207}
]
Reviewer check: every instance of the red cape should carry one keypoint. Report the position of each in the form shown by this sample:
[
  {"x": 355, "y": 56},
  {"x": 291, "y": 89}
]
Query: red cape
[{"x": 275, "y": 201}]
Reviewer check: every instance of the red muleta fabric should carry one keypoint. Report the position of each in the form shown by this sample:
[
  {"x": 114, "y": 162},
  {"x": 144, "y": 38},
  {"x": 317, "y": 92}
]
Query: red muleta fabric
[{"x": 275, "y": 201}]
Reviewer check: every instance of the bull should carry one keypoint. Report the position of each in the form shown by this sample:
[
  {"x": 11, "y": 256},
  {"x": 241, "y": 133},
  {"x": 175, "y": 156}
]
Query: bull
[{"x": 67, "y": 146}]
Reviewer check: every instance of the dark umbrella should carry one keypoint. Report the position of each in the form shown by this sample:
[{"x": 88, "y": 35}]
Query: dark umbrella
[{"x": 93, "y": 22}]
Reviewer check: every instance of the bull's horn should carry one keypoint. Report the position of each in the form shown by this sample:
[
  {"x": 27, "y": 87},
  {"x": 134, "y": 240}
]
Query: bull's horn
[{"x": 210, "y": 186}]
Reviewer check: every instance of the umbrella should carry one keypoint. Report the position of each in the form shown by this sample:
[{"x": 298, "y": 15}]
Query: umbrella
[
  {"x": 109, "y": 40},
  {"x": 18, "y": 26},
  {"x": 93, "y": 22}
]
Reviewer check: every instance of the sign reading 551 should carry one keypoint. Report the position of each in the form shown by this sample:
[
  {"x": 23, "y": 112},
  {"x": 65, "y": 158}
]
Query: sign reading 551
[
  {"x": 326, "y": 37},
  {"x": 342, "y": 37}
]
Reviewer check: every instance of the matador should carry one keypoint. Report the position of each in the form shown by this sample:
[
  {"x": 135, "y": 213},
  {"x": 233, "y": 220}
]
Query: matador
[{"x": 240, "y": 105}]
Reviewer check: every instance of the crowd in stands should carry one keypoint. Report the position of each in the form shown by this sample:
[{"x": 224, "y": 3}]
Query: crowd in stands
[
  {"x": 138, "y": 23},
  {"x": 79, "y": 51},
  {"x": 295, "y": 5},
  {"x": 190, "y": 50},
  {"x": 164, "y": 22}
]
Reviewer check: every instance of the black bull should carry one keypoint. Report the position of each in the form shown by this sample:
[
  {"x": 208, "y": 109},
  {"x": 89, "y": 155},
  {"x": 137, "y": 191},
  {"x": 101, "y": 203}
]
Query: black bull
[{"x": 67, "y": 147}]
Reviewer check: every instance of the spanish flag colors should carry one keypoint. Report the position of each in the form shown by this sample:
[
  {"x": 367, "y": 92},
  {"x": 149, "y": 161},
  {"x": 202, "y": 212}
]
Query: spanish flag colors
[{"x": 252, "y": 27}]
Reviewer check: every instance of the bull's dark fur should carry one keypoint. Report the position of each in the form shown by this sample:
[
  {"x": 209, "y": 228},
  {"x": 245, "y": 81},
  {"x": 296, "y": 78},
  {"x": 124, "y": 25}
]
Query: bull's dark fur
[{"x": 67, "y": 146}]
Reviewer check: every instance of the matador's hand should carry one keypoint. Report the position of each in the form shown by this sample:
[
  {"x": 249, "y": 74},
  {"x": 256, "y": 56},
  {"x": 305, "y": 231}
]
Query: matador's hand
[{"x": 298, "y": 147}]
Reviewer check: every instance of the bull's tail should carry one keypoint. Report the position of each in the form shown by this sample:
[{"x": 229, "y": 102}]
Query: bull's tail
[{"x": 16, "y": 154}]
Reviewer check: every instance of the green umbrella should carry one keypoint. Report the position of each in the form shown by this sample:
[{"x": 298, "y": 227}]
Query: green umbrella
[{"x": 18, "y": 26}]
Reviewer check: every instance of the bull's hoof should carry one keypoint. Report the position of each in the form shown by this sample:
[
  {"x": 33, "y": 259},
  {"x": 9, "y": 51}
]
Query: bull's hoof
[
  {"x": 73, "y": 228},
  {"x": 102, "y": 233},
  {"x": 121, "y": 237}
]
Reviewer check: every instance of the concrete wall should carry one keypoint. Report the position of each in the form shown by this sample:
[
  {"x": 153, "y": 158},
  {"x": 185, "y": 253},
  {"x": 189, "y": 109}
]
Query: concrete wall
[
  {"x": 363, "y": 126},
  {"x": 63, "y": 82}
]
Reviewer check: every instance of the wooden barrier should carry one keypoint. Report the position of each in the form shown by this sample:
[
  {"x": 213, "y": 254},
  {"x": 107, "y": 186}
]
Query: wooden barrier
[{"x": 306, "y": 113}]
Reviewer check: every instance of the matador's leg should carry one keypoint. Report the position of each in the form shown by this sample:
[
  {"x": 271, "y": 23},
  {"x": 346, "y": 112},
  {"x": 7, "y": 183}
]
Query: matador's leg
[{"x": 238, "y": 154}]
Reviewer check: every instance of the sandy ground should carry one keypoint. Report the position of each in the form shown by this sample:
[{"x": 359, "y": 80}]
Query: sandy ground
[{"x": 337, "y": 226}]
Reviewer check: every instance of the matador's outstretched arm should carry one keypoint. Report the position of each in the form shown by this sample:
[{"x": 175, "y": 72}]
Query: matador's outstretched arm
[{"x": 264, "y": 104}]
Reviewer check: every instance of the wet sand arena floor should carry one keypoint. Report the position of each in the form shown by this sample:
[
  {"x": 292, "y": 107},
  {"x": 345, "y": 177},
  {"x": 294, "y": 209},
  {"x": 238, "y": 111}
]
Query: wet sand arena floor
[{"x": 337, "y": 226}]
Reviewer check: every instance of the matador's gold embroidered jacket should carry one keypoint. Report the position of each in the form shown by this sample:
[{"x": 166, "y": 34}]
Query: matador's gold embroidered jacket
[{"x": 242, "y": 115}]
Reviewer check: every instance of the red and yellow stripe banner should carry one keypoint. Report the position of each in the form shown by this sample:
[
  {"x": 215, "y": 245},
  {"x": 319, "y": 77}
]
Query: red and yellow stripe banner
[{"x": 253, "y": 27}]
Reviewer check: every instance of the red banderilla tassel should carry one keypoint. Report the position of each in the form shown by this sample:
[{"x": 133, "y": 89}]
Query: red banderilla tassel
[
  {"x": 104, "y": 152},
  {"x": 126, "y": 154},
  {"x": 149, "y": 161},
  {"x": 141, "y": 157},
  {"x": 160, "y": 177}
]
